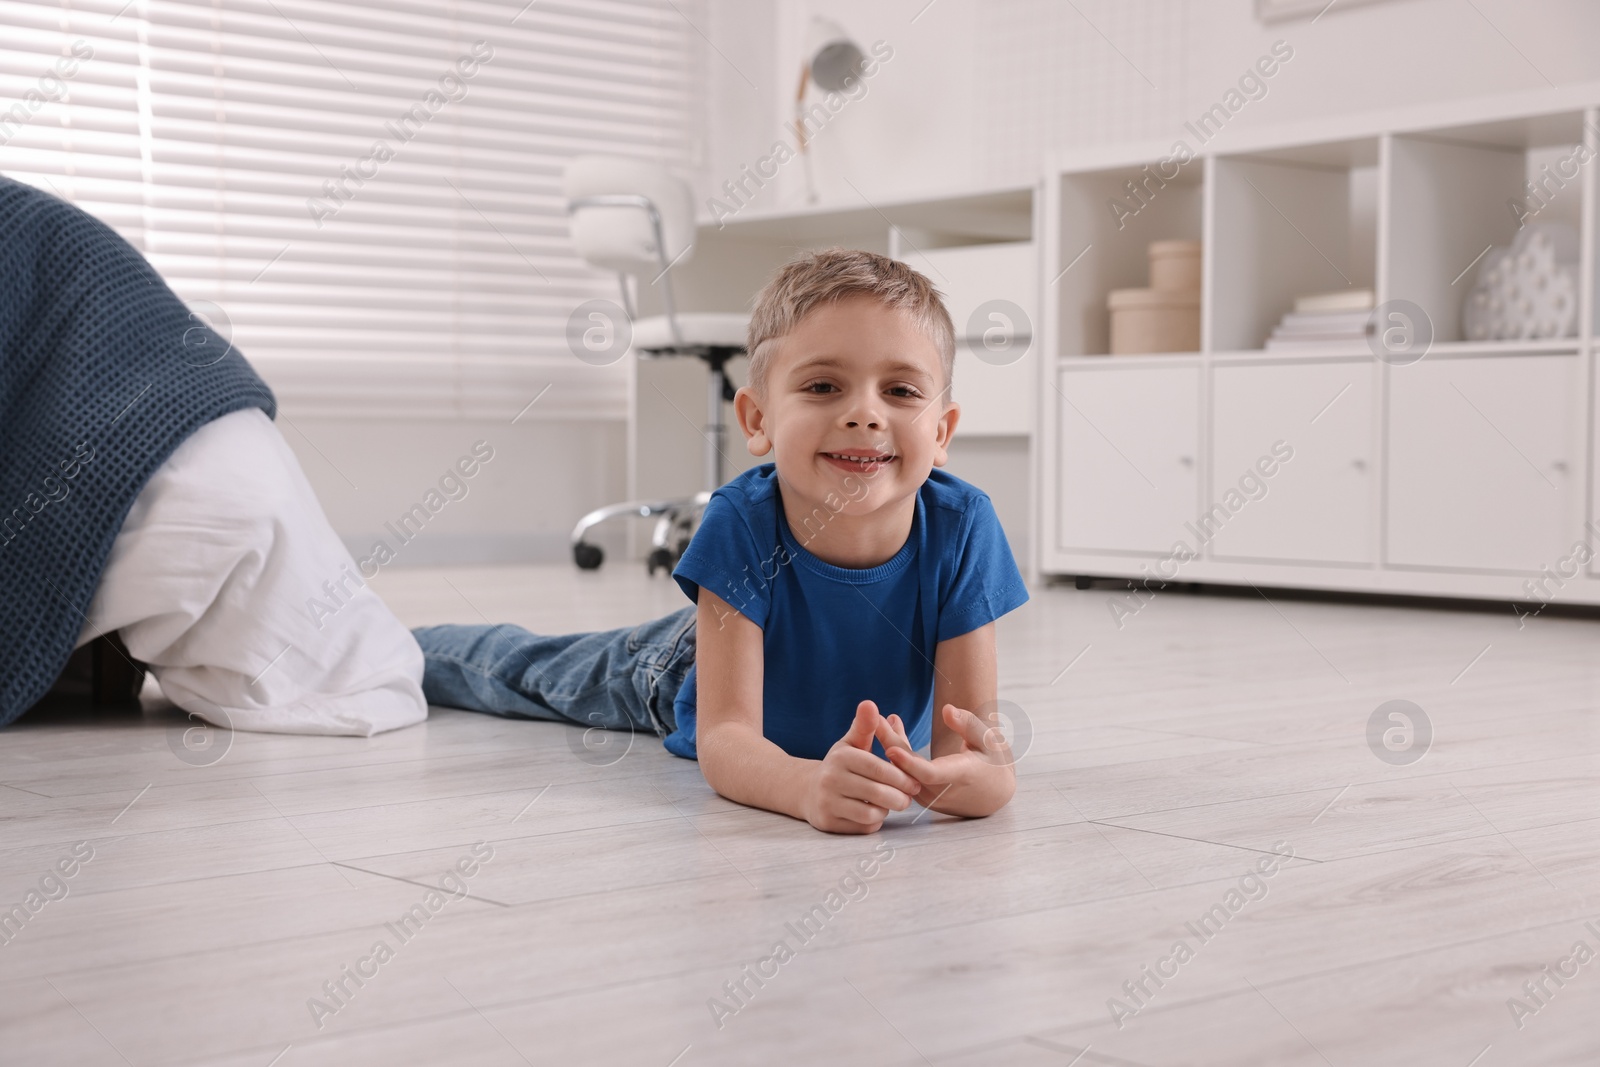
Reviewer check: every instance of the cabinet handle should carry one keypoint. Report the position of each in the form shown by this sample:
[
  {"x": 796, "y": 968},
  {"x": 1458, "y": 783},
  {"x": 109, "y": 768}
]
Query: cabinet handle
[
  {"x": 1559, "y": 465},
  {"x": 1359, "y": 464},
  {"x": 1187, "y": 461}
]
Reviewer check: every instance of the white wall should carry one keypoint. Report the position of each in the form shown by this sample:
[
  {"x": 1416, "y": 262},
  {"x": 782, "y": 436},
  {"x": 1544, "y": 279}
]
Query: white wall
[
  {"x": 520, "y": 507},
  {"x": 979, "y": 90}
]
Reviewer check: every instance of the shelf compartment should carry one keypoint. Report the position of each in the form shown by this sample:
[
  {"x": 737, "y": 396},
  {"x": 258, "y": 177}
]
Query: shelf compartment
[
  {"x": 1285, "y": 224},
  {"x": 1453, "y": 194},
  {"x": 1101, "y": 239}
]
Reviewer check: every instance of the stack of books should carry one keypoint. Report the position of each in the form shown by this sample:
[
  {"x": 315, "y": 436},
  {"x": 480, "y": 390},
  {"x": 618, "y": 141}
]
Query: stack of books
[{"x": 1324, "y": 320}]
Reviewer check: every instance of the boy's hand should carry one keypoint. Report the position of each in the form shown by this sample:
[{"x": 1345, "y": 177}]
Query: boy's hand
[
  {"x": 853, "y": 790},
  {"x": 984, "y": 753}
]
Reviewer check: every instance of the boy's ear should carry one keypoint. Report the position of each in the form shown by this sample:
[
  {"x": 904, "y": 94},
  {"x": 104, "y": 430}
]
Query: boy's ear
[
  {"x": 943, "y": 431},
  {"x": 752, "y": 421}
]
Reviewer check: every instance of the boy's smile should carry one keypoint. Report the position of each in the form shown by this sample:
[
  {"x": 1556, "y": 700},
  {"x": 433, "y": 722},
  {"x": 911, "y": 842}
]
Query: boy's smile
[
  {"x": 856, "y": 415},
  {"x": 859, "y": 461}
]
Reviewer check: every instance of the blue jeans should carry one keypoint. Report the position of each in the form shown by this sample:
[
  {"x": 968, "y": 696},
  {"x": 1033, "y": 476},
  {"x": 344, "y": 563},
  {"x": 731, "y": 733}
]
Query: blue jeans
[{"x": 623, "y": 679}]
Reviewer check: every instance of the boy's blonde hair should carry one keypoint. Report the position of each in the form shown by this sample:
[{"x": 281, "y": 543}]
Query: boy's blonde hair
[{"x": 817, "y": 278}]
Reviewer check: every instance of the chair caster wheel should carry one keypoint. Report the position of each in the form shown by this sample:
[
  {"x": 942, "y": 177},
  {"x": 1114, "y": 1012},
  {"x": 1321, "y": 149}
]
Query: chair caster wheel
[
  {"x": 659, "y": 557},
  {"x": 588, "y": 557}
]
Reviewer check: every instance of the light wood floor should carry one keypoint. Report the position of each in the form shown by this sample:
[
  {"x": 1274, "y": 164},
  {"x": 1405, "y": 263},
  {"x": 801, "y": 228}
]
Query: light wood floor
[{"x": 1167, "y": 758}]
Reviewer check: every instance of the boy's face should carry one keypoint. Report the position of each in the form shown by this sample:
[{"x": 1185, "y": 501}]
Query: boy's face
[{"x": 853, "y": 379}]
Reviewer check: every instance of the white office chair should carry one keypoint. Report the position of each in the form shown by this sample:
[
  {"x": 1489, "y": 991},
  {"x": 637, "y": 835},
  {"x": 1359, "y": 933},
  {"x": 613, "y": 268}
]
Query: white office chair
[{"x": 635, "y": 218}]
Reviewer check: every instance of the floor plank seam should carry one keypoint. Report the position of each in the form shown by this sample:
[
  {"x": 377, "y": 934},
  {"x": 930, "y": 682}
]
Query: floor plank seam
[{"x": 411, "y": 881}]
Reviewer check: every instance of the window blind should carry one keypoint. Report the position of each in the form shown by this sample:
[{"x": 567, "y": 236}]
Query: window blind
[
  {"x": 366, "y": 195},
  {"x": 73, "y": 107}
]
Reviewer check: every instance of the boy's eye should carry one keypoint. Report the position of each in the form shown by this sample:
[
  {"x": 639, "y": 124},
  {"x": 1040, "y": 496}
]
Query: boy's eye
[{"x": 820, "y": 389}]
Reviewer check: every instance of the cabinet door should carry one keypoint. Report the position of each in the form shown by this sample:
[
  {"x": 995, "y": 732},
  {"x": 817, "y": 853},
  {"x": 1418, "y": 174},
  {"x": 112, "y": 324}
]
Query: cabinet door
[
  {"x": 1314, "y": 507},
  {"x": 1481, "y": 462},
  {"x": 1129, "y": 439}
]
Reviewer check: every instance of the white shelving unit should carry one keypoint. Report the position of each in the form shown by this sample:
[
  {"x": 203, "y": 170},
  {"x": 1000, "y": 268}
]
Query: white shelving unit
[{"x": 1465, "y": 473}]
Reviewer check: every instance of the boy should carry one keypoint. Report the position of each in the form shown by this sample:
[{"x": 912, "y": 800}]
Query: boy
[{"x": 843, "y": 577}]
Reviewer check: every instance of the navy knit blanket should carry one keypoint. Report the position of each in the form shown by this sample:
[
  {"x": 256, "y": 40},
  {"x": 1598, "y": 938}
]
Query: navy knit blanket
[{"x": 103, "y": 373}]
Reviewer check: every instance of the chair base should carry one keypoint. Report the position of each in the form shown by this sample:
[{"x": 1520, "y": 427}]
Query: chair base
[
  {"x": 675, "y": 524},
  {"x": 676, "y": 519}
]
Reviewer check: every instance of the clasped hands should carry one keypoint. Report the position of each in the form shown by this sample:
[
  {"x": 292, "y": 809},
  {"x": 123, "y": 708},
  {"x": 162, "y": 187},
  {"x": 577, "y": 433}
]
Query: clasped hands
[{"x": 853, "y": 790}]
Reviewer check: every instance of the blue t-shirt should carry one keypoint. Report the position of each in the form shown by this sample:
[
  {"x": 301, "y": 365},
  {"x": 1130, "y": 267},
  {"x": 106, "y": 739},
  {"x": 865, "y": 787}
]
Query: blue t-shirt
[{"x": 835, "y": 636}]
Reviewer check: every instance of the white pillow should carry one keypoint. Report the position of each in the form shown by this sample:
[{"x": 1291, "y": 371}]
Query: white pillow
[{"x": 215, "y": 581}]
